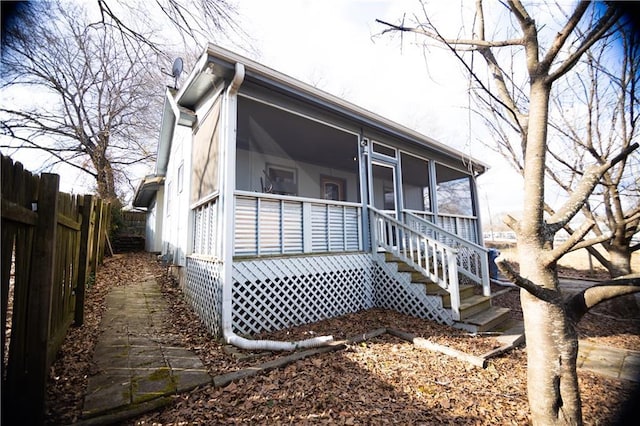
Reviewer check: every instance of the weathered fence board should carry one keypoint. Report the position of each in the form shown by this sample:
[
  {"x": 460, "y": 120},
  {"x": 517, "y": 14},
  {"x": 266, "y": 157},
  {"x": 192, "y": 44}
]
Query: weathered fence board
[{"x": 51, "y": 244}]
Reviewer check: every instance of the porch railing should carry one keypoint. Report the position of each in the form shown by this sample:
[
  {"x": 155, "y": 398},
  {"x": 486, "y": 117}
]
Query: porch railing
[
  {"x": 471, "y": 258},
  {"x": 269, "y": 224},
  {"x": 463, "y": 226},
  {"x": 430, "y": 257}
]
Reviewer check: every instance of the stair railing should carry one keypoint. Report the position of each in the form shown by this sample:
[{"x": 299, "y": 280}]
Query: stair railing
[
  {"x": 472, "y": 259},
  {"x": 433, "y": 259}
]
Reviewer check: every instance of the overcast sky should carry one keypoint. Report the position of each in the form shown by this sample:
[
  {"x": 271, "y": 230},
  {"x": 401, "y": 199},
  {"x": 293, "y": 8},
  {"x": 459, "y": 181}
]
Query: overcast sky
[{"x": 336, "y": 46}]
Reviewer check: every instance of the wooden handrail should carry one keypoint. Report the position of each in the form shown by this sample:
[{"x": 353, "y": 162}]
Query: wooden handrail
[
  {"x": 433, "y": 259},
  {"x": 478, "y": 255}
]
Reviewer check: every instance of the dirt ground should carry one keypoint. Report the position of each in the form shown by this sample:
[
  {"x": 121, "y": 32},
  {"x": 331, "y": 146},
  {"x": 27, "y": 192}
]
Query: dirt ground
[{"x": 383, "y": 380}]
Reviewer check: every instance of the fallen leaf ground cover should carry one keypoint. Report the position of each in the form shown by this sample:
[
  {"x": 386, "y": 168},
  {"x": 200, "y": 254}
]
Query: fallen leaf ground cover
[{"x": 383, "y": 380}]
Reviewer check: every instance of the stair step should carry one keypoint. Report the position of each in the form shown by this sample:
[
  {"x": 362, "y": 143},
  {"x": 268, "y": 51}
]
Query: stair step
[
  {"x": 473, "y": 305},
  {"x": 486, "y": 320},
  {"x": 466, "y": 291},
  {"x": 417, "y": 277}
]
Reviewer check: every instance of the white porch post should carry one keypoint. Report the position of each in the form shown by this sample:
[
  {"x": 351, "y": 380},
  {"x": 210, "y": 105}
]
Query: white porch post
[
  {"x": 433, "y": 189},
  {"x": 365, "y": 178},
  {"x": 229, "y": 121}
]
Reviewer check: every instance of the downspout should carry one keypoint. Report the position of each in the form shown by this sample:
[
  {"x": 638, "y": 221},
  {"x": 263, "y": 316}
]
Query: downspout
[{"x": 229, "y": 184}]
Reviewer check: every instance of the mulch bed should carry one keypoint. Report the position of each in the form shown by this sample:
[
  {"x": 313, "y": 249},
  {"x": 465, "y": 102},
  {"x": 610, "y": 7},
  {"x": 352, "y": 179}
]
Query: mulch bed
[{"x": 382, "y": 380}]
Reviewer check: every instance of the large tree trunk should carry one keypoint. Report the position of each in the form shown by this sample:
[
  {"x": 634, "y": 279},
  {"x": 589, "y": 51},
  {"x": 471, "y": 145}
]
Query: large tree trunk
[
  {"x": 552, "y": 343},
  {"x": 105, "y": 180},
  {"x": 552, "y": 350}
]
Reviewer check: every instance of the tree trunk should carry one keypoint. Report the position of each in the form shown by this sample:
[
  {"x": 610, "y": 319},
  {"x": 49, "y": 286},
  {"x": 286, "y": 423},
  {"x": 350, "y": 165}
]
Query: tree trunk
[
  {"x": 552, "y": 343},
  {"x": 620, "y": 265},
  {"x": 552, "y": 350},
  {"x": 620, "y": 260},
  {"x": 105, "y": 181}
]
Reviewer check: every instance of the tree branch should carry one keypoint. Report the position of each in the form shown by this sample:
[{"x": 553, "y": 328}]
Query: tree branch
[
  {"x": 579, "y": 304},
  {"x": 603, "y": 25},
  {"x": 588, "y": 182},
  {"x": 545, "y": 294},
  {"x": 564, "y": 34},
  {"x": 453, "y": 42},
  {"x": 566, "y": 246}
]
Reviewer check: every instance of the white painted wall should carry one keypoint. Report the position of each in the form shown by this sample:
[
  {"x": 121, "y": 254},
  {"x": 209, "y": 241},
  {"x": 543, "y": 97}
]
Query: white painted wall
[
  {"x": 176, "y": 228},
  {"x": 153, "y": 233}
]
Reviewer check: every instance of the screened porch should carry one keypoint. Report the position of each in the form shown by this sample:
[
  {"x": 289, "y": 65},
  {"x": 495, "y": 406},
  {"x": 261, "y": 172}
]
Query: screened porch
[{"x": 300, "y": 185}]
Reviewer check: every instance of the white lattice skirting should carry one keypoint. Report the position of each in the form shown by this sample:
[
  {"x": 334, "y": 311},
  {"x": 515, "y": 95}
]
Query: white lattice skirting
[
  {"x": 278, "y": 293},
  {"x": 273, "y": 294},
  {"x": 394, "y": 290},
  {"x": 203, "y": 291}
]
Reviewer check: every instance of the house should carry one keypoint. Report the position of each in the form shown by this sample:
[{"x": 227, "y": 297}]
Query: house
[{"x": 278, "y": 204}]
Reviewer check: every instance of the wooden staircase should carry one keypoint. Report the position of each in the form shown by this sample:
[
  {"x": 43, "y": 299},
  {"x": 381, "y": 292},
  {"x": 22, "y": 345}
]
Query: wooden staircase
[{"x": 476, "y": 312}]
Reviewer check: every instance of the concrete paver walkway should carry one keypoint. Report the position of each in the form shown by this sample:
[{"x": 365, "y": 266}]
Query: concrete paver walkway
[
  {"x": 610, "y": 362},
  {"x": 137, "y": 359}
]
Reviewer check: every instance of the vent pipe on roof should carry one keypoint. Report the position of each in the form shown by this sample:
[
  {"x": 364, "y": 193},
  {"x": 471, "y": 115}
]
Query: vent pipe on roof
[{"x": 227, "y": 297}]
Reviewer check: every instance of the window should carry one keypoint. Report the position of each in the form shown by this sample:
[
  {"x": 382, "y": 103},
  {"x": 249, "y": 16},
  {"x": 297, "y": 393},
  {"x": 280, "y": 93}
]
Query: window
[
  {"x": 280, "y": 180},
  {"x": 415, "y": 183},
  {"x": 384, "y": 150},
  {"x": 169, "y": 197},
  {"x": 332, "y": 188},
  {"x": 453, "y": 191},
  {"x": 180, "y": 177}
]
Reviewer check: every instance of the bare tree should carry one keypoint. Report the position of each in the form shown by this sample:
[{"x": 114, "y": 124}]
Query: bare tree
[
  {"x": 100, "y": 108},
  {"x": 521, "y": 97},
  {"x": 194, "y": 21},
  {"x": 95, "y": 112},
  {"x": 593, "y": 112},
  {"x": 596, "y": 114}
]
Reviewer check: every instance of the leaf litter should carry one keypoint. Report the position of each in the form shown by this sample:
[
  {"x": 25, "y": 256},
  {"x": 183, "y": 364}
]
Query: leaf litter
[{"x": 384, "y": 380}]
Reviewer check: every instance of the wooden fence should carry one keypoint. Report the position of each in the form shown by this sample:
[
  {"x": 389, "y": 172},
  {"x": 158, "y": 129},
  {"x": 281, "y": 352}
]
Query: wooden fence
[{"x": 52, "y": 243}]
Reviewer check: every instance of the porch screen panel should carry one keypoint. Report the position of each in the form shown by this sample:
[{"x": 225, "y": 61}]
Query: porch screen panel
[
  {"x": 246, "y": 229},
  {"x": 281, "y": 152},
  {"x": 415, "y": 183},
  {"x": 204, "y": 156},
  {"x": 453, "y": 192}
]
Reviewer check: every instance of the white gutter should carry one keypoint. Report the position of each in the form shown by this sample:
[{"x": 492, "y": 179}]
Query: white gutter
[{"x": 229, "y": 184}]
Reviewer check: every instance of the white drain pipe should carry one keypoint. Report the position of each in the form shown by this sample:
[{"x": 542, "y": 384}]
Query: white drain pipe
[{"x": 229, "y": 184}]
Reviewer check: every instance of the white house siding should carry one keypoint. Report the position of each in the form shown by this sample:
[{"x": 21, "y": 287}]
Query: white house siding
[
  {"x": 177, "y": 188},
  {"x": 153, "y": 232}
]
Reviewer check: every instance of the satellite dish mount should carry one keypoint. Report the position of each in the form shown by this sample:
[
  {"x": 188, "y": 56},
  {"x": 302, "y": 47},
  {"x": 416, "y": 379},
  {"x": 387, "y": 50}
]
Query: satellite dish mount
[{"x": 176, "y": 71}]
